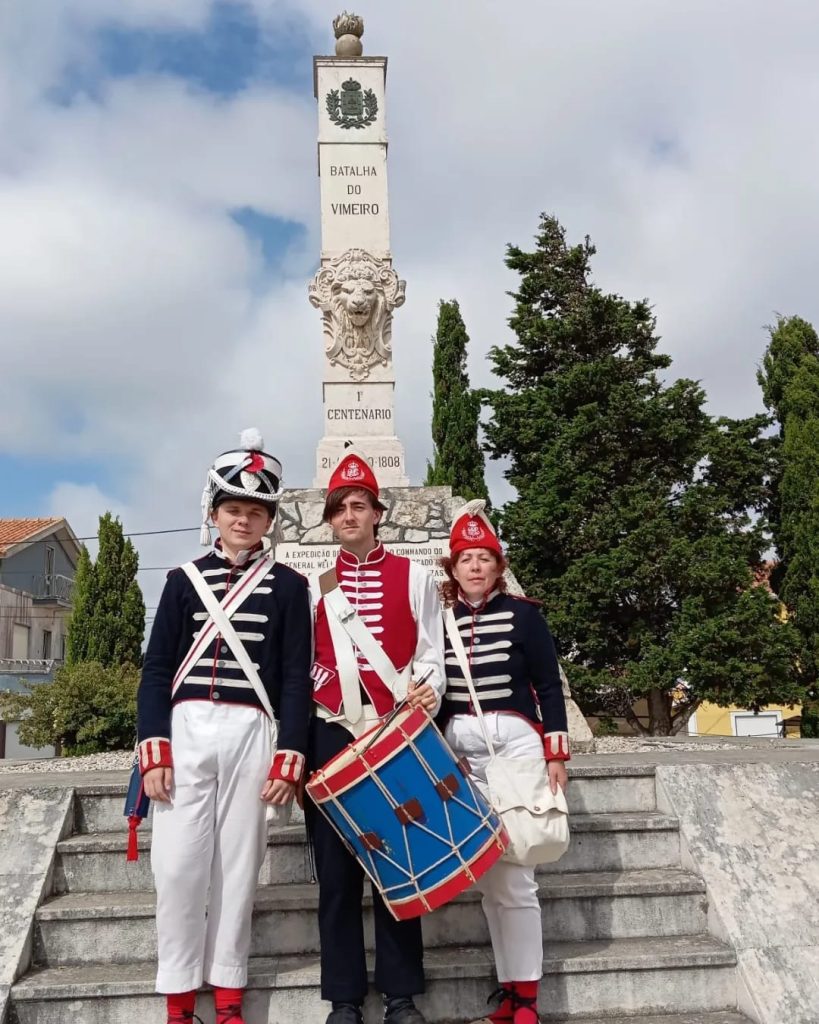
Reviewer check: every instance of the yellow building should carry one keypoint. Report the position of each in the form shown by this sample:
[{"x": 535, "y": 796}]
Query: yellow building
[{"x": 774, "y": 720}]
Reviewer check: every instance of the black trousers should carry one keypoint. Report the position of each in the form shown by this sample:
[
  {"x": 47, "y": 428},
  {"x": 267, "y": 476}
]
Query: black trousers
[{"x": 399, "y": 950}]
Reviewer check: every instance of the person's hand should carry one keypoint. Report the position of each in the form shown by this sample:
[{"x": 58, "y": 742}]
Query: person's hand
[
  {"x": 558, "y": 776},
  {"x": 277, "y": 791},
  {"x": 421, "y": 696},
  {"x": 157, "y": 783}
]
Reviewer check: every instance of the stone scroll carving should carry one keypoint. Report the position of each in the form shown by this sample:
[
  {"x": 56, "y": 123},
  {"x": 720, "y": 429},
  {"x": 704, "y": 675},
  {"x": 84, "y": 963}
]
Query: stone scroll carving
[{"x": 356, "y": 293}]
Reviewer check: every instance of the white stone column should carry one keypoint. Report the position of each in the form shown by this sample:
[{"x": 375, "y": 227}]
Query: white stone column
[{"x": 355, "y": 288}]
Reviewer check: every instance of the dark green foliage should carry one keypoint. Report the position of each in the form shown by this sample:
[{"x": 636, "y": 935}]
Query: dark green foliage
[
  {"x": 89, "y": 708},
  {"x": 634, "y": 519},
  {"x": 789, "y": 378},
  {"x": 108, "y": 614},
  {"x": 458, "y": 460}
]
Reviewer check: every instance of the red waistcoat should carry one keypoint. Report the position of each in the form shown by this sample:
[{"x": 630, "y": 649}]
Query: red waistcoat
[{"x": 379, "y": 589}]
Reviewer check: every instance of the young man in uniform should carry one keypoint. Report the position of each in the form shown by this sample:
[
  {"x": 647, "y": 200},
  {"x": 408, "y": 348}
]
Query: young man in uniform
[
  {"x": 206, "y": 754},
  {"x": 398, "y": 602}
]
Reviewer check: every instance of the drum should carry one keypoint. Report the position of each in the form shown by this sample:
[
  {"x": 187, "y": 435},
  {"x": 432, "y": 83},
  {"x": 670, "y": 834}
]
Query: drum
[{"x": 409, "y": 812}]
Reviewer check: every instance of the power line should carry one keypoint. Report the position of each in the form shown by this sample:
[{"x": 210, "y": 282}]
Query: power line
[
  {"x": 96, "y": 536},
  {"x": 28, "y": 572}
]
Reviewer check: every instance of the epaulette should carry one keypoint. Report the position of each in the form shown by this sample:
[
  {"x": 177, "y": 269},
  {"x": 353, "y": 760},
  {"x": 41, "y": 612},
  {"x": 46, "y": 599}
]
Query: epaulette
[{"x": 528, "y": 600}]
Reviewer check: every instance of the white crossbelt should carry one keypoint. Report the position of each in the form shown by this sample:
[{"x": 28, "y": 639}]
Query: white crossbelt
[
  {"x": 347, "y": 633},
  {"x": 221, "y": 620}
]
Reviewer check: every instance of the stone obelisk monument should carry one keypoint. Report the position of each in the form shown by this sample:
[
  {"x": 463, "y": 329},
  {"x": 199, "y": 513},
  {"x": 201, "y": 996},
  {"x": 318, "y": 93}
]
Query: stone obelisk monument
[
  {"x": 357, "y": 291},
  {"x": 356, "y": 288}
]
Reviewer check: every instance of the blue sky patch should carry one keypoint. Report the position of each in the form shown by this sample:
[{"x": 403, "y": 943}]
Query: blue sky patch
[
  {"x": 26, "y": 482},
  {"x": 232, "y": 51},
  {"x": 274, "y": 236}
]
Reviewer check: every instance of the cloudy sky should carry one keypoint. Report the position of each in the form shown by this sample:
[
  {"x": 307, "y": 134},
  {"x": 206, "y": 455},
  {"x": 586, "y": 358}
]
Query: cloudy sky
[{"x": 159, "y": 214}]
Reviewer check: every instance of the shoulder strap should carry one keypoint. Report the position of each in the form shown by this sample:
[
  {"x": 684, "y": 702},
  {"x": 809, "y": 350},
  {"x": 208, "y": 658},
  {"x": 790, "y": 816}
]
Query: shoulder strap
[
  {"x": 338, "y": 606},
  {"x": 223, "y": 624},
  {"x": 460, "y": 653}
]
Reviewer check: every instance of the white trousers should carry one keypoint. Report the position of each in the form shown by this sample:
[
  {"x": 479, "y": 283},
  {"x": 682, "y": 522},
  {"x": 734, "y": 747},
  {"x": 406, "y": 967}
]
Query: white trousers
[
  {"x": 509, "y": 890},
  {"x": 208, "y": 845}
]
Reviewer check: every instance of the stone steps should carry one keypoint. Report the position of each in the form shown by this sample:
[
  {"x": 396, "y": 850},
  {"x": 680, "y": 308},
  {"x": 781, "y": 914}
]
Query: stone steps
[
  {"x": 631, "y": 923},
  {"x": 620, "y": 841},
  {"x": 649, "y": 975},
  {"x": 118, "y": 927},
  {"x": 593, "y": 790}
]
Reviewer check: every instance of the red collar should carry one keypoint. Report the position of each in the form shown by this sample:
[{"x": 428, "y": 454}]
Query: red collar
[{"x": 376, "y": 555}]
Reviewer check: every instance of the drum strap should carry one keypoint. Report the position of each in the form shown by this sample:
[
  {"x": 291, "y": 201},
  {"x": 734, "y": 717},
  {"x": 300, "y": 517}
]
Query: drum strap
[{"x": 347, "y": 630}]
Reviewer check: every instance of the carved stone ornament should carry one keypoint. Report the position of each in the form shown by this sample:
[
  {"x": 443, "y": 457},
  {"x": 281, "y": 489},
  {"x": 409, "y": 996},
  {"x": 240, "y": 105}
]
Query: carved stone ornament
[
  {"x": 348, "y": 29},
  {"x": 357, "y": 293}
]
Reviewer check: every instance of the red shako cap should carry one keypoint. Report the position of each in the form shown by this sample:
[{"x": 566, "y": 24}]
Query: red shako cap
[
  {"x": 354, "y": 470},
  {"x": 472, "y": 529}
]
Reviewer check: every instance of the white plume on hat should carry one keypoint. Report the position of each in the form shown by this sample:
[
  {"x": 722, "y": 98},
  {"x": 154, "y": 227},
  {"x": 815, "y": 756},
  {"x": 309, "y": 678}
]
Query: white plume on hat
[
  {"x": 476, "y": 508},
  {"x": 251, "y": 440}
]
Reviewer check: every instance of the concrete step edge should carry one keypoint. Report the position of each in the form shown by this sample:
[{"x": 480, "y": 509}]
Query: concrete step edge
[
  {"x": 293, "y": 971},
  {"x": 616, "y": 821},
  {"x": 79, "y": 906},
  {"x": 119, "y": 786}
]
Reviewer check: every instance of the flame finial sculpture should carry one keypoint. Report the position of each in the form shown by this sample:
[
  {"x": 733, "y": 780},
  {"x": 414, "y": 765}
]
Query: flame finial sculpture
[{"x": 349, "y": 28}]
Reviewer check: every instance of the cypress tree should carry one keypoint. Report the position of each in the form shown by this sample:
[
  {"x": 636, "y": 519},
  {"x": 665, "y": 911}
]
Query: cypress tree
[
  {"x": 108, "y": 613},
  {"x": 635, "y": 519},
  {"x": 458, "y": 460},
  {"x": 789, "y": 378}
]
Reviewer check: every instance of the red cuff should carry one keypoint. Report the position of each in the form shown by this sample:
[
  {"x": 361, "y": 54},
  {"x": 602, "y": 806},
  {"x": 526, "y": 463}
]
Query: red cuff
[
  {"x": 556, "y": 746},
  {"x": 155, "y": 753},
  {"x": 288, "y": 765}
]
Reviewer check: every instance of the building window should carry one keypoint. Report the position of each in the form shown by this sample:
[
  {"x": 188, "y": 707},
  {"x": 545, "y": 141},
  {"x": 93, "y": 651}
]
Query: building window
[
  {"x": 63, "y": 639},
  {"x": 19, "y": 642},
  {"x": 46, "y": 644}
]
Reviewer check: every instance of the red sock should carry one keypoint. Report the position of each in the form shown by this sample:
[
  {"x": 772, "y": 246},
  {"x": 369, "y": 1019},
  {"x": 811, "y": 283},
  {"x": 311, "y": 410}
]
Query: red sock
[
  {"x": 180, "y": 1006},
  {"x": 526, "y": 991},
  {"x": 228, "y": 1003},
  {"x": 503, "y": 1014}
]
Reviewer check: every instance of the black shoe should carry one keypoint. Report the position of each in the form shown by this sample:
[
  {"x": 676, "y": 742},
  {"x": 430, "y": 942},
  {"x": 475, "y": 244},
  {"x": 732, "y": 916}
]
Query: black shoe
[
  {"x": 402, "y": 1010},
  {"x": 345, "y": 1013}
]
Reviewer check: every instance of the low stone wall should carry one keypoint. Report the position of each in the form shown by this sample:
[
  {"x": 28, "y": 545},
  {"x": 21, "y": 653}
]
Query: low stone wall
[
  {"x": 31, "y": 823},
  {"x": 414, "y": 515},
  {"x": 752, "y": 832}
]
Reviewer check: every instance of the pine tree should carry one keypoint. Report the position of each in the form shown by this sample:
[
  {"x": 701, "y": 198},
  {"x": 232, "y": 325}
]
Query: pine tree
[
  {"x": 634, "y": 522},
  {"x": 789, "y": 378},
  {"x": 458, "y": 460},
  {"x": 108, "y": 613}
]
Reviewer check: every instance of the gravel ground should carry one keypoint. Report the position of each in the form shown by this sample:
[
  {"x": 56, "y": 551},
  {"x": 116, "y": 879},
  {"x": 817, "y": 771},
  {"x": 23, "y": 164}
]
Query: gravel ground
[{"x": 121, "y": 759}]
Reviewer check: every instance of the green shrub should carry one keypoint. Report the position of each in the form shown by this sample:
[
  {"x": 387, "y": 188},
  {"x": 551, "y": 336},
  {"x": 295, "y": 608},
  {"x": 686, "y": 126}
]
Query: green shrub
[{"x": 88, "y": 708}]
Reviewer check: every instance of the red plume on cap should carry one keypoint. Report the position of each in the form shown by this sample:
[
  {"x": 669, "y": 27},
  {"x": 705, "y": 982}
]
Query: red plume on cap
[
  {"x": 472, "y": 529},
  {"x": 353, "y": 471}
]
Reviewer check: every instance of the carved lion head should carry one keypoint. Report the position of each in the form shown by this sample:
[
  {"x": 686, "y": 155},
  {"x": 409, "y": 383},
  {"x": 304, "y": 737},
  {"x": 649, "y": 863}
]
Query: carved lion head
[{"x": 358, "y": 297}]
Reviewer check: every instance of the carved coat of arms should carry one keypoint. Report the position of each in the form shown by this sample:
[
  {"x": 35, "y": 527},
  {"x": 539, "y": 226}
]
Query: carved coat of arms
[
  {"x": 357, "y": 293},
  {"x": 352, "y": 106}
]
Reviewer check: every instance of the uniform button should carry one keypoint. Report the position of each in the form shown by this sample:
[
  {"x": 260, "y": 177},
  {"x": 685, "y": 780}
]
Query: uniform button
[
  {"x": 216, "y": 695},
  {"x": 225, "y": 648},
  {"x": 220, "y": 664},
  {"x": 476, "y": 641}
]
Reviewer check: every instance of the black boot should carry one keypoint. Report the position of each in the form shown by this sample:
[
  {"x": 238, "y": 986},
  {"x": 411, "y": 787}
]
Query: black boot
[
  {"x": 345, "y": 1013},
  {"x": 402, "y": 1010}
]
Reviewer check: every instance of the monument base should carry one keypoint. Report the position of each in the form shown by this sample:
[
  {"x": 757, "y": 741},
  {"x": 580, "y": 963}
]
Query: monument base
[{"x": 385, "y": 454}]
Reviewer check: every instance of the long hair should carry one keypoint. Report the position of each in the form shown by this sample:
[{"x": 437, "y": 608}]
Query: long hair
[{"x": 449, "y": 588}]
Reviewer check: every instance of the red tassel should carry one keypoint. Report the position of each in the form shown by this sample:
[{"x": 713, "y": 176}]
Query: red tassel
[{"x": 133, "y": 848}]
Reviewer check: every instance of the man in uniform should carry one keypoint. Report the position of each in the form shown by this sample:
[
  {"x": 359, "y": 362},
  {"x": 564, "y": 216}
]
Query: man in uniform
[
  {"x": 397, "y": 601},
  {"x": 230, "y": 646}
]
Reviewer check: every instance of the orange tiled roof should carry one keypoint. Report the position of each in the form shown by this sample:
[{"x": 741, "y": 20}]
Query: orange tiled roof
[{"x": 16, "y": 531}]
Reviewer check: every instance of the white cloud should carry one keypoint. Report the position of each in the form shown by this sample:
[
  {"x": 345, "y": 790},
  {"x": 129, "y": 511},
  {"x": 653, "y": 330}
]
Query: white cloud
[{"x": 679, "y": 136}]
